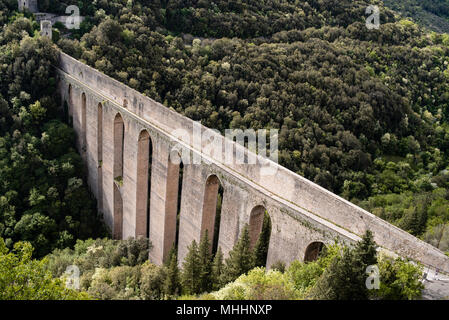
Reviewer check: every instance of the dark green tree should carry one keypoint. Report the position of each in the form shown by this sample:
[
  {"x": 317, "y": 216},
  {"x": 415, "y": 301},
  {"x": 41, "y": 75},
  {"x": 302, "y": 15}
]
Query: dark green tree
[
  {"x": 366, "y": 250},
  {"x": 217, "y": 270},
  {"x": 262, "y": 244},
  {"x": 191, "y": 271},
  {"x": 345, "y": 278},
  {"x": 205, "y": 263},
  {"x": 241, "y": 258},
  {"x": 172, "y": 284}
]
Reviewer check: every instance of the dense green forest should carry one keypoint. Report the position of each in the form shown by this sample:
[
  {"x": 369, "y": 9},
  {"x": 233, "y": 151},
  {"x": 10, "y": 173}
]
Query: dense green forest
[
  {"x": 364, "y": 113},
  {"x": 433, "y": 14},
  {"x": 43, "y": 197}
]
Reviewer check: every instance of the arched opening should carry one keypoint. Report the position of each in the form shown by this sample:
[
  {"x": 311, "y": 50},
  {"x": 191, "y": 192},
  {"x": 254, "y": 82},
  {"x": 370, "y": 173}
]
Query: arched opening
[
  {"x": 83, "y": 123},
  {"x": 118, "y": 214},
  {"x": 70, "y": 105},
  {"x": 255, "y": 224},
  {"x": 144, "y": 160},
  {"x": 259, "y": 234},
  {"x": 119, "y": 135},
  {"x": 179, "y": 201},
  {"x": 100, "y": 155},
  {"x": 66, "y": 112},
  {"x": 119, "y": 130},
  {"x": 313, "y": 251},
  {"x": 213, "y": 195},
  {"x": 173, "y": 202}
]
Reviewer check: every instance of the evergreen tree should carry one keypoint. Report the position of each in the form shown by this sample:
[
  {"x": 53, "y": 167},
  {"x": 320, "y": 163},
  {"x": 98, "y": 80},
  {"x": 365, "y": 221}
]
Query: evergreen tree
[
  {"x": 262, "y": 244},
  {"x": 342, "y": 280},
  {"x": 241, "y": 258},
  {"x": 190, "y": 277},
  {"x": 217, "y": 270},
  {"x": 205, "y": 258},
  {"x": 366, "y": 250},
  {"x": 345, "y": 279},
  {"x": 172, "y": 284}
]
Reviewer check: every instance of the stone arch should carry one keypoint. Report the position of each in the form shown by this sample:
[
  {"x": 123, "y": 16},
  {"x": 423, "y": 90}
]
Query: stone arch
[
  {"x": 175, "y": 169},
  {"x": 65, "y": 108},
  {"x": 256, "y": 223},
  {"x": 70, "y": 103},
  {"x": 260, "y": 228},
  {"x": 144, "y": 165},
  {"x": 119, "y": 141},
  {"x": 313, "y": 251},
  {"x": 100, "y": 155},
  {"x": 211, "y": 217},
  {"x": 83, "y": 122},
  {"x": 118, "y": 214},
  {"x": 119, "y": 138}
]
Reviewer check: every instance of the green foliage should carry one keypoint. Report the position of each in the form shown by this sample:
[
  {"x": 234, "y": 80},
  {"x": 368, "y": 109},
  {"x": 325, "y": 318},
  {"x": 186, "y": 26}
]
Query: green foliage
[
  {"x": 433, "y": 14},
  {"x": 400, "y": 280},
  {"x": 438, "y": 236},
  {"x": 172, "y": 282},
  {"x": 205, "y": 263},
  {"x": 22, "y": 278},
  {"x": 101, "y": 253},
  {"x": 106, "y": 273},
  {"x": 345, "y": 277},
  {"x": 44, "y": 197},
  {"x": 279, "y": 266},
  {"x": 217, "y": 270},
  {"x": 190, "y": 277},
  {"x": 240, "y": 260},
  {"x": 305, "y": 275},
  {"x": 152, "y": 281},
  {"x": 258, "y": 285}
]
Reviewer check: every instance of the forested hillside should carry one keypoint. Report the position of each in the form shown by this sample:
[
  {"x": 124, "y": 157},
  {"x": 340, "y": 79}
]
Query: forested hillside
[
  {"x": 433, "y": 14},
  {"x": 43, "y": 198}
]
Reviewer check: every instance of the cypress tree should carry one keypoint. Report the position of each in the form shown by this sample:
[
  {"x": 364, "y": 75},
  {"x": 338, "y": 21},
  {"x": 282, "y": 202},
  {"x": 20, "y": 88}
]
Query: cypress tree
[
  {"x": 241, "y": 258},
  {"x": 262, "y": 244},
  {"x": 217, "y": 270},
  {"x": 366, "y": 250},
  {"x": 191, "y": 271},
  {"x": 346, "y": 276},
  {"x": 172, "y": 284},
  {"x": 205, "y": 258}
]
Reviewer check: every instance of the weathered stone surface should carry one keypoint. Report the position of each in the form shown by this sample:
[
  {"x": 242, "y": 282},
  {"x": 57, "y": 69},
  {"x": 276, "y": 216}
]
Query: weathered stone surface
[{"x": 301, "y": 212}]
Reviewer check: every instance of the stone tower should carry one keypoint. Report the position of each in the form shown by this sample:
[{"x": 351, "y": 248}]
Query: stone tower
[
  {"x": 30, "y": 5},
  {"x": 46, "y": 30}
]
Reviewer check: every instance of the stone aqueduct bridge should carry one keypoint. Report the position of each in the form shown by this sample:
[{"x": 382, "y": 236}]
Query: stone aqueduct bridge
[{"x": 122, "y": 133}]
